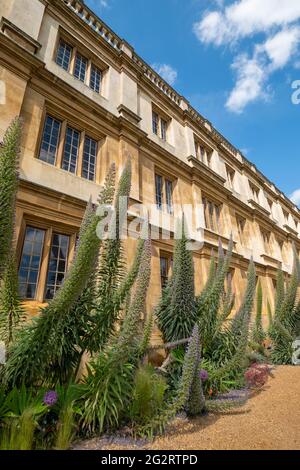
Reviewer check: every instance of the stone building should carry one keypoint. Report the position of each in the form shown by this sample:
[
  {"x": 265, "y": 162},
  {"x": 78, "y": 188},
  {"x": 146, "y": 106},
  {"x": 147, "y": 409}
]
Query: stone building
[{"x": 87, "y": 99}]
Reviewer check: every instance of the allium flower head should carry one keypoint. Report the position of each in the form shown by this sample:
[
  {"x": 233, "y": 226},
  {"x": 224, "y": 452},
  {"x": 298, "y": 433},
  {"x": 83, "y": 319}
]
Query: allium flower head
[
  {"x": 203, "y": 375},
  {"x": 50, "y": 398}
]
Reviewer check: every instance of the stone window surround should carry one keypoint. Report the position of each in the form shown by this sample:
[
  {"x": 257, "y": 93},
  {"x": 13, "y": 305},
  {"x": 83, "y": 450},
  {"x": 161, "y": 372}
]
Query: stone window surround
[
  {"x": 65, "y": 123},
  {"x": 162, "y": 131},
  {"x": 165, "y": 178},
  {"x": 208, "y": 151},
  {"x": 85, "y": 53},
  {"x": 49, "y": 227},
  {"x": 213, "y": 221},
  {"x": 168, "y": 256}
]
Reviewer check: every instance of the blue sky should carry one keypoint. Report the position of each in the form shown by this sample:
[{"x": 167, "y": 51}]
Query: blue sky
[{"x": 235, "y": 61}]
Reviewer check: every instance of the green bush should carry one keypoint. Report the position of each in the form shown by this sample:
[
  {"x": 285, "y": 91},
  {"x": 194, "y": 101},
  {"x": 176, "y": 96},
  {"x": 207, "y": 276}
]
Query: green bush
[{"x": 148, "y": 395}]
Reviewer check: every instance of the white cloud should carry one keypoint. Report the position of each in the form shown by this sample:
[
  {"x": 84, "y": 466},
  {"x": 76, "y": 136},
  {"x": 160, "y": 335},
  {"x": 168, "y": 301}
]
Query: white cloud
[
  {"x": 277, "y": 19},
  {"x": 244, "y": 18},
  {"x": 295, "y": 197},
  {"x": 251, "y": 76},
  {"x": 281, "y": 47},
  {"x": 167, "y": 72}
]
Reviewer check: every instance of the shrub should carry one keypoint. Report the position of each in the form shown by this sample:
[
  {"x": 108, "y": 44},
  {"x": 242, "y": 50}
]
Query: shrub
[
  {"x": 148, "y": 395},
  {"x": 257, "y": 375},
  {"x": 176, "y": 313}
]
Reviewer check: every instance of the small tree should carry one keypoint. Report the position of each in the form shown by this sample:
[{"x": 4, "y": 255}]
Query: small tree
[
  {"x": 258, "y": 334},
  {"x": 285, "y": 326},
  {"x": 9, "y": 162},
  {"x": 176, "y": 312},
  {"x": 11, "y": 310}
]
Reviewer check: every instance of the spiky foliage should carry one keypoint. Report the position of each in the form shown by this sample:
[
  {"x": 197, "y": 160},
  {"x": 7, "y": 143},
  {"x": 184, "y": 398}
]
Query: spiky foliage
[
  {"x": 258, "y": 334},
  {"x": 285, "y": 326},
  {"x": 183, "y": 399},
  {"x": 111, "y": 271},
  {"x": 176, "y": 312},
  {"x": 9, "y": 162},
  {"x": 210, "y": 300},
  {"x": 40, "y": 353},
  {"x": 11, "y": 311},
  {"x": 148, "y": 395},
  {"x": 108, "y": 387},
  {"x": 228, "y": 359}
]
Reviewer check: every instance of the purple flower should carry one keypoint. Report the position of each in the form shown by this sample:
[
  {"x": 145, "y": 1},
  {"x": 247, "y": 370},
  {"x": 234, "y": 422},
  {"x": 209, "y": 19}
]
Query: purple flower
[
  {"x": 203, "y": 375},
  {"x": 50, "y": 398}
]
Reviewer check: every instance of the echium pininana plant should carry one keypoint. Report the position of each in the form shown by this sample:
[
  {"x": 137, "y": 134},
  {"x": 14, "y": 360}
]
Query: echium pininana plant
[
  {"x": 285, "y": 327},
  {"x": 258, "y": 334},
  {"x": 9, "y": 163},
  {"x": 231, "y": 344},
  {"x": 111, "y": 270},
  {"x": 41, "y": 351},
  {"x": 12, "y": 313},
  {"x": 209, "y": 301},
  {"x": 176, "y": 313},
  {"x": 188, "y": 384},
  {"x": 108, "y": 386}
]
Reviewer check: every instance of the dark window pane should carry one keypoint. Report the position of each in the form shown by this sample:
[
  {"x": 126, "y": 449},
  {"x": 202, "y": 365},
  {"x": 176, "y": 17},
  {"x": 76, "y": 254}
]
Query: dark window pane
[
  {"x": 169, "y": 191},
  {"x": 64, "y": 53},
  {"x": 96, "y": 77},
  {"x": 57, "y": 264},
  {"x": 80, "y": 67},
  {"x": 89, "y": 159},
  {"x": 50, "y": 140},
  {"x": 159, "y": 191},
  {"x": 30, "y": 262},
  {"x": 71, "y": 149}
]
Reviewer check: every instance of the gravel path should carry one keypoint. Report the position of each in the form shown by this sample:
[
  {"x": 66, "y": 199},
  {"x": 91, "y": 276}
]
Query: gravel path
[{"x": 269, "y": 421}]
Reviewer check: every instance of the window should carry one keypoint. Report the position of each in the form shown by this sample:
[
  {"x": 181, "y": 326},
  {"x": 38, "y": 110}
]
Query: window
[
  {"x": 255, "y": 193},
  {"x": 50, "y": 140},
  {"x": 155, "y": 120},
  {"x": 159, "y": 126},
  {"x": 163, "y": 129},
  {"x": 211, "y": 215},
  {"x": 164, "y": 193},
  {"x": 37, "y": 280},
  {"x": 200, "y": 152},
  {"x": 64, "y": 54},
  {"x": 30, "y": 262},
  {"x": 96, "y": 78},
  {"x": 57, "y": 267},
  {"x": 230, "y": 177},
  {"x": 241, "y": 223},
  {"x": 80, "y": 67},
  {"x": 71, "y": 149},
  {"x": 166, "y": 262},
  {"x": 60, "y": 146},
  {"x": 89, "y": 159}
]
